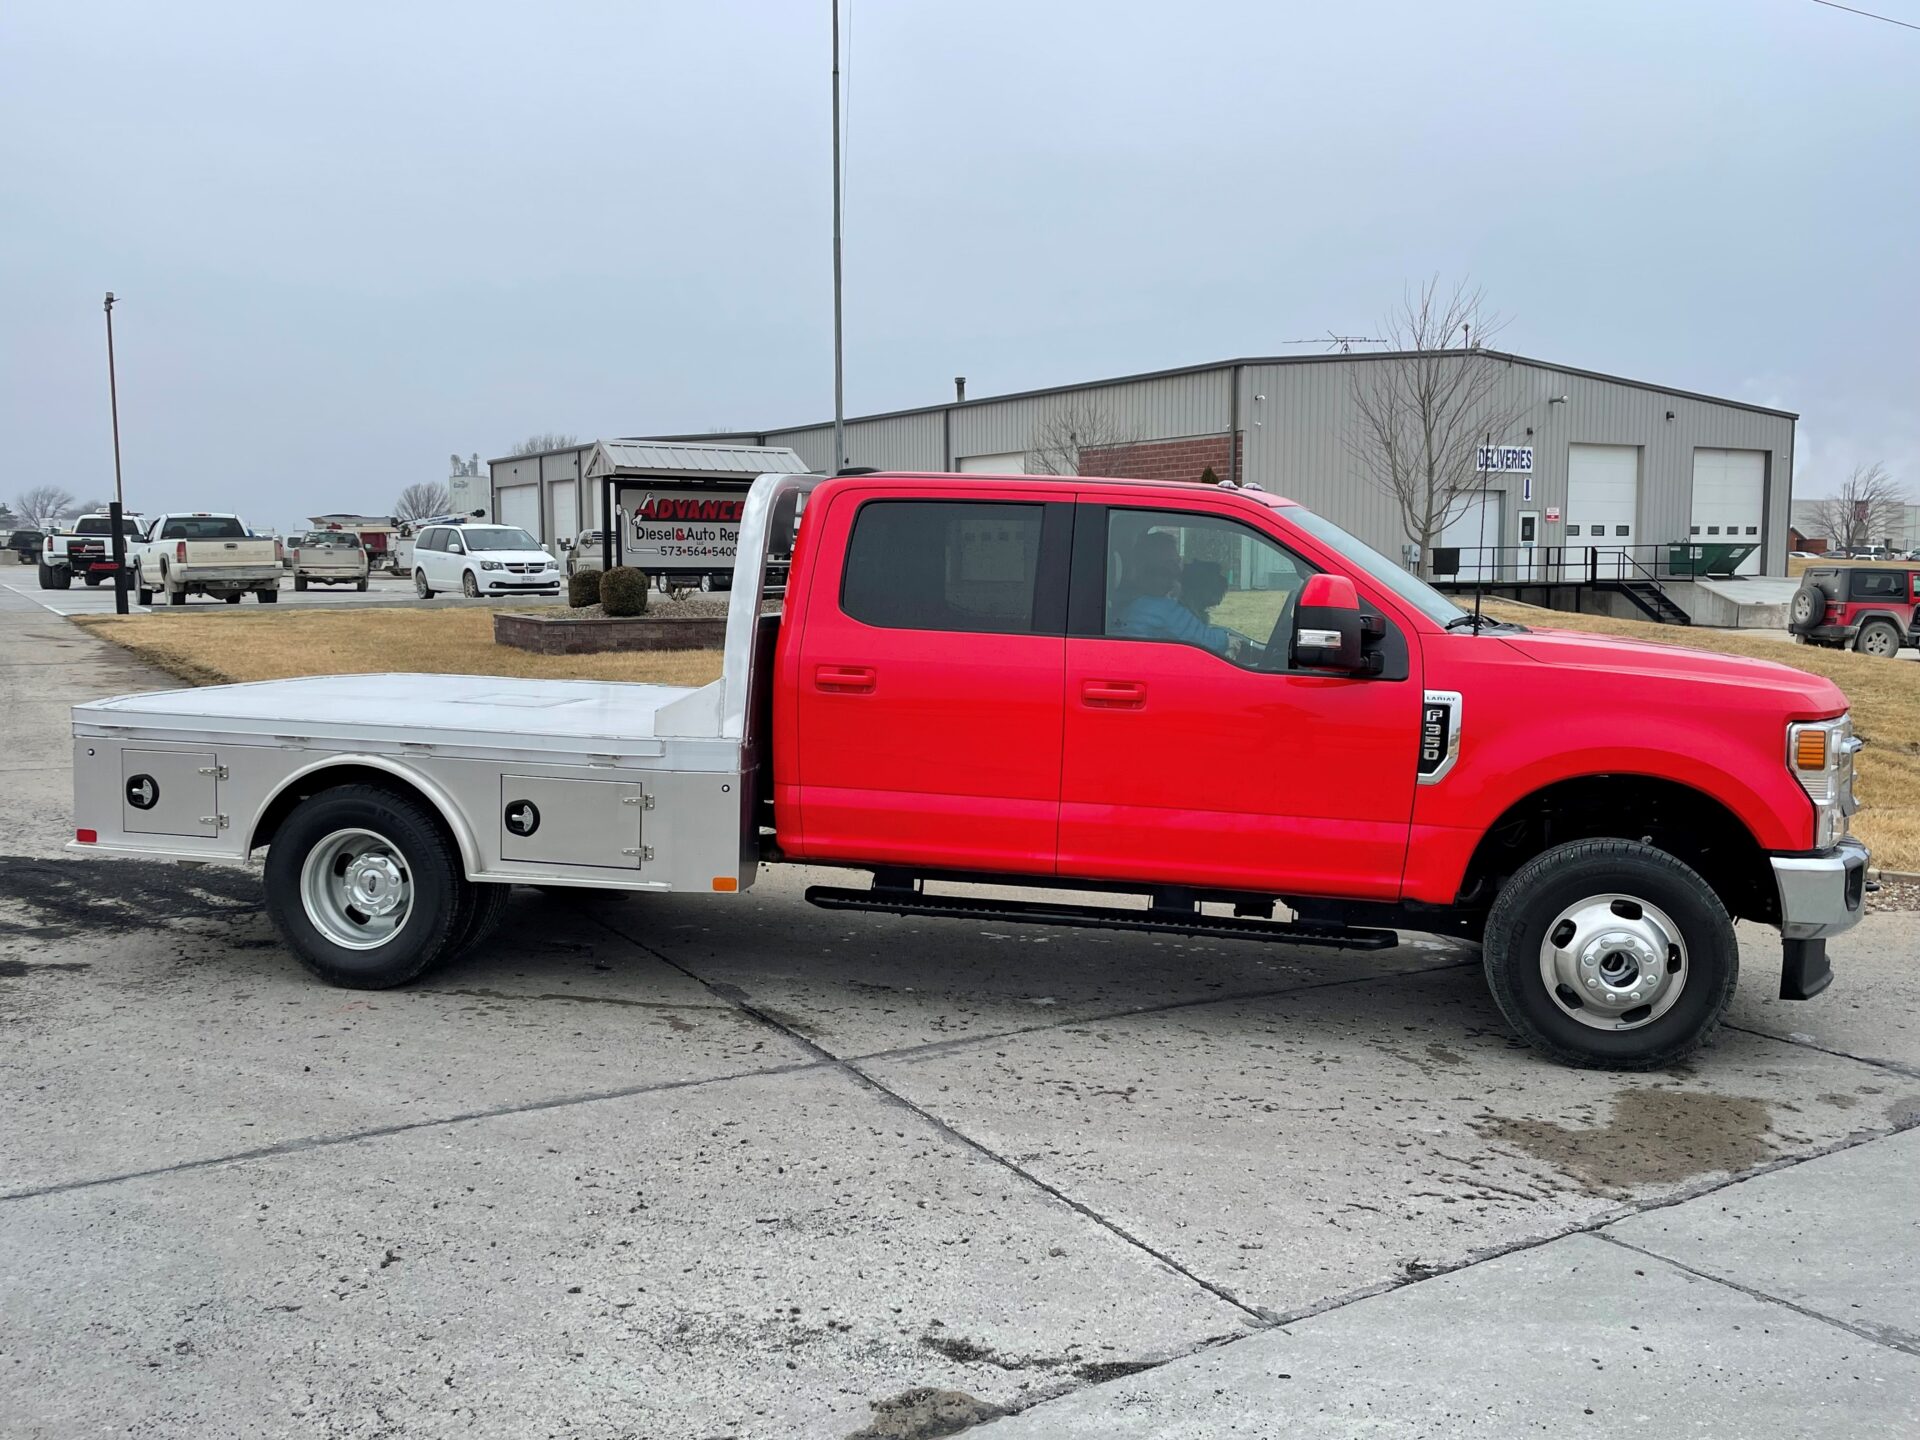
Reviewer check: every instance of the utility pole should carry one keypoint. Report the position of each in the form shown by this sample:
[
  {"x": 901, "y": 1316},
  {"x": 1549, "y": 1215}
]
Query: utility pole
[
  {"x": 118, "y": 508},
  {"x": 839, "y": 380}
]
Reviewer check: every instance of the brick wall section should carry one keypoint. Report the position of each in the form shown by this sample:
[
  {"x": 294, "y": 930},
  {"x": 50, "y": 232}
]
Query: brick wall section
[{"x": 1185, "y": 459}]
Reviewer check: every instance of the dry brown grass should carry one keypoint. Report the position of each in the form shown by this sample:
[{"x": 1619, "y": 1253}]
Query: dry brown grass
[
  {"x": 1884, "y": 694},
  {"x": 217, "y": 649}
]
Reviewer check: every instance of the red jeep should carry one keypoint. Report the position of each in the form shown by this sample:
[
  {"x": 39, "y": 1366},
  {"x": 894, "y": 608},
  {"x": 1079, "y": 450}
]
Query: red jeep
[{"x": 1866, "y": 608}]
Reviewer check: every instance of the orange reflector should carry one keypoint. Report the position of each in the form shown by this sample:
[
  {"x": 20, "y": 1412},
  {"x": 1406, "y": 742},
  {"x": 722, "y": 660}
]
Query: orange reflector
[
  {"x": 87, "y": 837},
  {"x": 725, "y": 883},
  {"x": 1810, "y": 750}
]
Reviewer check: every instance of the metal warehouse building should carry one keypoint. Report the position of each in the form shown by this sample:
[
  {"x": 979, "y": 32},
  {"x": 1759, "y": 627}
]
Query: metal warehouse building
[{"x": 1613, "y": 460}]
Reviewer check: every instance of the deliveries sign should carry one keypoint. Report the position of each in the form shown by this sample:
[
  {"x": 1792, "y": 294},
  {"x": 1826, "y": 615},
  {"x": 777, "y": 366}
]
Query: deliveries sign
[{"x": 683, "y": 532}]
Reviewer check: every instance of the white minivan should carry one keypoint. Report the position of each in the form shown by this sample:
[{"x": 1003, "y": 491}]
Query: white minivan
[{"x": 482, "y": 560}]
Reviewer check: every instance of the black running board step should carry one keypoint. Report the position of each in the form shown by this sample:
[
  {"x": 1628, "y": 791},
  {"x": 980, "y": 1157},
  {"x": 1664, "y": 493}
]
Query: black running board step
[{"x": 1095, "y": 917}]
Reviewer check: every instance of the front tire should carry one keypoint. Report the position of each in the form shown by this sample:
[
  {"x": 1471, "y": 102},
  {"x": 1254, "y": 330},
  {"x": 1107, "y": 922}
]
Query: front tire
[
  {"x": 299, "y": 582},
  {"x": 420, "y": 585},
  {"x": 266, "y": 597},
  {"x": 361, "y": 583},
  {"x": 143, "y": 594},
  {"x": 365, "y": 887},
  {"x": 469, "y": 586},
  {"x": 1610, "y": 954}
]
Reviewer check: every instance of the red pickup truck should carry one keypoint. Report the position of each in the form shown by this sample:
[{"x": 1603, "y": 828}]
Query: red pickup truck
[{"x": 1205, "y": 696}]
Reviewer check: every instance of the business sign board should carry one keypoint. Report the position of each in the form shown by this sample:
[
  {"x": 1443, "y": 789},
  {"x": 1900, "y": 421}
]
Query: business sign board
[
  {"x": 1504, "y": 459},
  {"x": 666, "y": 529}
]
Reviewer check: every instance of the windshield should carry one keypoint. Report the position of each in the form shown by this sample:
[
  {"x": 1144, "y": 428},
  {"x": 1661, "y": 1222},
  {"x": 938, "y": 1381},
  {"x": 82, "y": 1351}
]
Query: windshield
[
  {"x": 1370, "y": 562},
  {"x": 505, "y": 538},
  {"x": 103, "y": 525},
  {"x": 328, "y": 540},
  {"x": 203, "y": 527}
]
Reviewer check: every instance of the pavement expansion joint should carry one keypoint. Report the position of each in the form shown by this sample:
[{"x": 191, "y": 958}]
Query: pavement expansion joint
[
  {"x": 1878, "y": 1334},
  {"x": 1910, "y": 1072},
  {"x": 1258, "y": 1316}
]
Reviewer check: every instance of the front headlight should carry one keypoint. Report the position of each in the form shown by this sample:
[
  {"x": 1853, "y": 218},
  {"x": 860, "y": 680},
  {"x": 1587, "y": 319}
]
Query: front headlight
[
  {"x": 489, "y": 564},
  {"x": 1820, "y": 755}
]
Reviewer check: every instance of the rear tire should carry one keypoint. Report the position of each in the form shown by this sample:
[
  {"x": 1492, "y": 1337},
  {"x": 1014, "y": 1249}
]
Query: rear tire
[
  {"x": 92, "y": 580},
  {"x": 176, "y": 597},
  {"x": 361, "y": 583},
  {"x": 1600, "y": 911},
  {"x": 1880, "y": 638},
  {"x": 233, "y": 599},
  {"x": 299, "y": 582},
  {"x": 486, "y": 907},
  {"x": 361, "y": 846},
  {"x": 1807, "y": 608}
]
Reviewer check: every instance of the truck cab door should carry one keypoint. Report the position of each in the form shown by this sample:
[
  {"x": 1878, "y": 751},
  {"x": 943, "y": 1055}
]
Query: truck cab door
[
  {"x": 1195, "y": 754},
  {"x": 925, "y": 693}
]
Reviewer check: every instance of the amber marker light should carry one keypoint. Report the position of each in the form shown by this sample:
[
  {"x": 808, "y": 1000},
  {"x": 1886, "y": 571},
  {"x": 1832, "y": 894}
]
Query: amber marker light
[
  {"x": 1810, "y": 750},
  {"x": 725, "y": 884}
]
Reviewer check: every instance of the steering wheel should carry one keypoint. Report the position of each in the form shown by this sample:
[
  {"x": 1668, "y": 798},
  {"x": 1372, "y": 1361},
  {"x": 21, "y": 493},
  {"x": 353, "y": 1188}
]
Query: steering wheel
[{"x": 1278, "y": 654}]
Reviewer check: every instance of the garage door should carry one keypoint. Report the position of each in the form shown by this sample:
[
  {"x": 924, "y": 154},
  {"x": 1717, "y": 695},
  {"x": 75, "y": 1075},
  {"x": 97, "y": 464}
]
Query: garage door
[
  {"x": 1012, "y": 463},
  {"x": 1730, "y": 500},
  {"x": 1603, "y": 499},
  {"x": 1478, "y": 542},
  {"x": 519, "y": 505},
  {"x": 566, "y": 511}
]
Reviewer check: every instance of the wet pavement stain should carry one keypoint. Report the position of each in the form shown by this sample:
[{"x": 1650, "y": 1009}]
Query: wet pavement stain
[
  {"x": 56, "y": 899},
  {"x": 926, "y": 1413},
  {"x": 14, "y": 969},
  {"x": 1653, "y": 1137}
]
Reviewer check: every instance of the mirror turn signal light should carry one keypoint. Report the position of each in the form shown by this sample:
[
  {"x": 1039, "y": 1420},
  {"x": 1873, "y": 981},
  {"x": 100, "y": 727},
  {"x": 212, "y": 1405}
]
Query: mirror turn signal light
[{"x": 1810, "y": 750}]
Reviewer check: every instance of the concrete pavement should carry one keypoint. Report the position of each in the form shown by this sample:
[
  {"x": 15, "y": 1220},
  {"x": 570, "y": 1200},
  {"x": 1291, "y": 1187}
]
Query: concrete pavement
[{"x": 700, "y": 1167}]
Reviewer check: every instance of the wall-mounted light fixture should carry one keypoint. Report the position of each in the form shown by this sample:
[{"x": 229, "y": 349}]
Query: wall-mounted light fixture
[
  {"x": 1558, "y": 400},
  {"x": 1669, "y": 414}
]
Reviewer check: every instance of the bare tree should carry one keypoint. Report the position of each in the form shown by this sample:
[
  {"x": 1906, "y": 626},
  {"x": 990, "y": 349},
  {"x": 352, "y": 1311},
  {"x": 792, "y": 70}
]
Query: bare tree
[
  {"x": 421, "y": 499},
  {"x": 549, "y": 440},
  {"x": 1421, "y": 414},
  {"x": 1871, "y": 509},
  {"x": 44, "y": 506},
  {"x": 1066, "y": 434}
]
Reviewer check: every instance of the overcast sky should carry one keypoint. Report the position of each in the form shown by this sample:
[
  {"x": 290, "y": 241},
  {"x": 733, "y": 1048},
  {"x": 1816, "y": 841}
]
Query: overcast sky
[{"x": 350, "y": 239}]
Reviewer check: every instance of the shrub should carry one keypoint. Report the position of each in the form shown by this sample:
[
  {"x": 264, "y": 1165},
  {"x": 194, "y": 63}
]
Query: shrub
[
  {"x": 623, "y": 591},
  {"x": 583, "y": 588}
]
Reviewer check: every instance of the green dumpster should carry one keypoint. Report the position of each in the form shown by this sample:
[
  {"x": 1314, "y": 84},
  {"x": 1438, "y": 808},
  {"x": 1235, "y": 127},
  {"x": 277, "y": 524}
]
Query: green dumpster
[{"x": 1707, "y": 559}]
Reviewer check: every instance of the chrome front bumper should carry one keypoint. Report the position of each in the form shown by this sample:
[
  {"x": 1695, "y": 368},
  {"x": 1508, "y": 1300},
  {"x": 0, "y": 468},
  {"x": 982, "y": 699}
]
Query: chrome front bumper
[{"x": 1821, "y": 895}]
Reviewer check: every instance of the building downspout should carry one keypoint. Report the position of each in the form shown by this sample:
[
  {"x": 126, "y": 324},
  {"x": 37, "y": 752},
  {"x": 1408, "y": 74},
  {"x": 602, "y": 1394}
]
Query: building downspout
[{"x": 1233, "y": 424}]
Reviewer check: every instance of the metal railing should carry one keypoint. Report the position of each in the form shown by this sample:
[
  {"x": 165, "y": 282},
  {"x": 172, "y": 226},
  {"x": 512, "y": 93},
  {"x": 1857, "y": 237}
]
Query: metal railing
[{"x": 1577, "y": 564}]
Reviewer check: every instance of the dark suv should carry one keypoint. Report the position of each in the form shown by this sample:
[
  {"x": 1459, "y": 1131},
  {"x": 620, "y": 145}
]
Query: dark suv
[{"x": 1870, "y": 608}]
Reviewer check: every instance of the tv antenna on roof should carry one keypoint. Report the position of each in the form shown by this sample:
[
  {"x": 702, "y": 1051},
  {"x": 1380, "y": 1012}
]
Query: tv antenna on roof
[{"x": 1340, "y": 343}]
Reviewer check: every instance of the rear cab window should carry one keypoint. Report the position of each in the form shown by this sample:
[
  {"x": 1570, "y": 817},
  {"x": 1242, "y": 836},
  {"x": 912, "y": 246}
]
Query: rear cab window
[
  {"x": 203, "y": 527},
  {"x": 972, "y": 566}
]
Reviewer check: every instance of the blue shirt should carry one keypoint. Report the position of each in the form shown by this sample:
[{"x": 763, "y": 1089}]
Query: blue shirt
[{"x": 1161, "y": 617}]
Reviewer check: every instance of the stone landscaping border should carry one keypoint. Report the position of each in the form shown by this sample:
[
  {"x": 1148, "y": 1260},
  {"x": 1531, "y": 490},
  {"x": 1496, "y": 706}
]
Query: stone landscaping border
[{"x": 597, "y": 634}]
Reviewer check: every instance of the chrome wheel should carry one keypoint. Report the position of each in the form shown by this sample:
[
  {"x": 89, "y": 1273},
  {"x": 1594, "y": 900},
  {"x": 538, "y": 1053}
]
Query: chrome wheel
[
  {"x": 1613, "y": 962},
  {"x": 356, "y": 890}
]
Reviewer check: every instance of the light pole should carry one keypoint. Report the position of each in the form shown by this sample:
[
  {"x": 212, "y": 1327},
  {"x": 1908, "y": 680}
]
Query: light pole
[
  {"x": 839, "y": 386},
  {"x": 118, "y": 508}
]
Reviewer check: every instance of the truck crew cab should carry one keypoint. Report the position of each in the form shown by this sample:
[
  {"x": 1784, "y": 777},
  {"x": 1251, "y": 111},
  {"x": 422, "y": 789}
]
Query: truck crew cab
[
  {"x": 85, "y": 550},
  {"x": 1205, "y": 696}
]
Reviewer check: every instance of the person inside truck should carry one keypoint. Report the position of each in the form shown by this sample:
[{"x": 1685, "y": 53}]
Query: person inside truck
[
  {"x": 1203, "y": 585},
  {"x": 1148, "y": 605}
]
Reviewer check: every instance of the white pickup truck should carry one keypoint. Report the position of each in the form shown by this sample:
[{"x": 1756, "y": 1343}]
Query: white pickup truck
[
  {"x": 204, "y": 553},
  {"x": 85, "y": 550}
]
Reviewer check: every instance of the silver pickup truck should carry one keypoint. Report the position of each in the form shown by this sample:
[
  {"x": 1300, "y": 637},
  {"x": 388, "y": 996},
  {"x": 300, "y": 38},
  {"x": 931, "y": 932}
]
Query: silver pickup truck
[{"x": 329, "y": 557}]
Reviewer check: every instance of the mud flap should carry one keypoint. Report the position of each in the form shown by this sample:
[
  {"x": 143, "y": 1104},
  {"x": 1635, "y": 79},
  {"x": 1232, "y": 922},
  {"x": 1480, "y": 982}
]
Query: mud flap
[{"x": 1804, "y": 971}]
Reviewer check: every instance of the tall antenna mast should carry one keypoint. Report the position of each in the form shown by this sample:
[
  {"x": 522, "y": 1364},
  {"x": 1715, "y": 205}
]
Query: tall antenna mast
[{"x": 839, "y": 380}]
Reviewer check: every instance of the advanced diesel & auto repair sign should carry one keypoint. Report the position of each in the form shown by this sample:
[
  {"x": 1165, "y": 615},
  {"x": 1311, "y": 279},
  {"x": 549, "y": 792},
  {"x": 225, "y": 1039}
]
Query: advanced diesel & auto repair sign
[{"x": 669, "y": 531}]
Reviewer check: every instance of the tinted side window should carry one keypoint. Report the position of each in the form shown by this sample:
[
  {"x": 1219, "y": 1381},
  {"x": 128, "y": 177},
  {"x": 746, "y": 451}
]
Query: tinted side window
[
  {"x": 968, "y": 565},
  {"x": 1881, "y": 587},
  {"x": 1200, "y": 580},
  {"x": 429, "y": 540}
]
